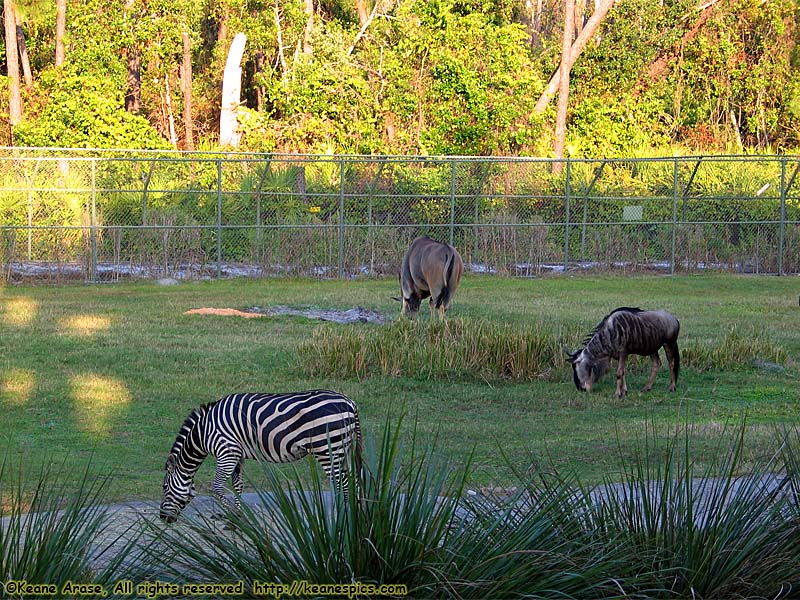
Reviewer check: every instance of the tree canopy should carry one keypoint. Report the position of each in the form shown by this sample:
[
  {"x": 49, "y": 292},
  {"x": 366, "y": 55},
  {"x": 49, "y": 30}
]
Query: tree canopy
[{"x": 411, "y": 76}]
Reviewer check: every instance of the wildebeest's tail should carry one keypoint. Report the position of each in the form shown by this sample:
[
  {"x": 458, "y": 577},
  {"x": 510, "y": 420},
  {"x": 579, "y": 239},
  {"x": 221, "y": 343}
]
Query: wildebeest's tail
[{"x": 447, "y": 273}]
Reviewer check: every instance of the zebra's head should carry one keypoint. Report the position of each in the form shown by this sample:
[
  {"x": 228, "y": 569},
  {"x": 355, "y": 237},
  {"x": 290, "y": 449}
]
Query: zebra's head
[
  {"x": 586, "y": 370},
  {"x": 178, "y": 490}
]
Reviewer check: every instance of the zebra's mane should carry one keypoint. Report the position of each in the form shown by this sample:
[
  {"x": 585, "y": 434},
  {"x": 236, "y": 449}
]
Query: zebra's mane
[
  {"x": 189, "y": 424},
  {"x": 602, "y": 323}
]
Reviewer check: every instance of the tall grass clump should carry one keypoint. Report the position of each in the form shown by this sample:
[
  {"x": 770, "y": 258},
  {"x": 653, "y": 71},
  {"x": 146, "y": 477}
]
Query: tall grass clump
[
  {"x": 451, "y": 349},
  {"x": 698, "y": 533},
  {"x": 395, "y": 531},
  {"x": 51, "y": 528},
  {"x": 737, "y": 348},
  {"x": 660, "y": 529}
]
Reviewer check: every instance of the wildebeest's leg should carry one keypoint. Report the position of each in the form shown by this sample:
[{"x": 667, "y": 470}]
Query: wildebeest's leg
[
  {"x": 674, "y": 362},
  {"x": 656, "y": 366},
  {"x": 622, "y": 387}
]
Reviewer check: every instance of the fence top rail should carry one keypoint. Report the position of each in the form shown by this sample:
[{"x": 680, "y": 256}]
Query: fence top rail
[{"x": 88, "y": 154}]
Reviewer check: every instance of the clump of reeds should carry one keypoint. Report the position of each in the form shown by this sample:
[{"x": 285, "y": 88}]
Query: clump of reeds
[
  {"x": 51, "y": 526},
  {"x": 667, "y": 529},
  {"x": 738, "y": 348},
  {"x": 455, "y": 348}
]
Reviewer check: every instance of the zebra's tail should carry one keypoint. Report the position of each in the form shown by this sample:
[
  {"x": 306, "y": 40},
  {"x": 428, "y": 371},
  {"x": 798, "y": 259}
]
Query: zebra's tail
[{"x": 358, "y": 461}]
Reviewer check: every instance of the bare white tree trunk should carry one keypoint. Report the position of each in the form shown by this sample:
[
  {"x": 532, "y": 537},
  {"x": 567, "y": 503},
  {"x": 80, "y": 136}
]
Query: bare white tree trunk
[
  {"x": 309, "y": 10},
  {"x": 173, "y": 137},
  {"x": 186, "y": 88},
  {"x": 575, "y": 51},
  {"x": 231, "y": 89},
  {"x": 61, "y": 28},
  {"x": 563, "y": 87}
]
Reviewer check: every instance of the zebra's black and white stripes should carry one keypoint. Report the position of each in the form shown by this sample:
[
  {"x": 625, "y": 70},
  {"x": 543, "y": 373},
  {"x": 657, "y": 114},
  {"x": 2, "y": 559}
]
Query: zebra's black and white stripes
[{"x": 276, "y": 428}]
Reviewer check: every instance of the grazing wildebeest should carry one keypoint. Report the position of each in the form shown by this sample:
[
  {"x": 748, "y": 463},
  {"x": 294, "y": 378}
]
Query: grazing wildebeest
[
  {"x": 276, "y": 428},
  {"x": 622, "y": 332},
  {"x": 429, "y": 268}
]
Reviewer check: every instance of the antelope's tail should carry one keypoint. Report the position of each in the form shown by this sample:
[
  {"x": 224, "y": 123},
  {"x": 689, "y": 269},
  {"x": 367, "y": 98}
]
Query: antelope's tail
[{"x": 447, "y": 274}]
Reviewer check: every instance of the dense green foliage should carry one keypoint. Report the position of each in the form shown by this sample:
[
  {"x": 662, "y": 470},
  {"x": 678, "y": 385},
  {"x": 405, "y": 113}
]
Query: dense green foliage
[{"x": 438, "y": 77}]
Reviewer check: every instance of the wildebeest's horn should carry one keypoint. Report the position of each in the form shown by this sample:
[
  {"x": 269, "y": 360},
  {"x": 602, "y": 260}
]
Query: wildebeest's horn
[{"x": 572, "y": 355}]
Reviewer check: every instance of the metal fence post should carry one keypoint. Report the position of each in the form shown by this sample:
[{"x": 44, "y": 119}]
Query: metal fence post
[
  {"x": 341, "y": 217},
  {"x": 782, "y": 230},
  {"x": 566, "y": 215},
  {"x": 674, "y": 214},
  {"x": 452, "y": 200},
  {"x": 93, "y": 224},
  {"x": 219, "y": 218}
]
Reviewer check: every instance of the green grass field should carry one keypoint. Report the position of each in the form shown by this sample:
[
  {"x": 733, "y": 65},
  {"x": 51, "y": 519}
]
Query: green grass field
[{"x": 110, "y": 371}]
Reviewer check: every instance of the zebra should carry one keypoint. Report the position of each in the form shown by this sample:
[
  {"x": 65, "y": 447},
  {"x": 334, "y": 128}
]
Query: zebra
[
  {"x": 622, "y": 332},
  {"x": 277, "y": 428}
]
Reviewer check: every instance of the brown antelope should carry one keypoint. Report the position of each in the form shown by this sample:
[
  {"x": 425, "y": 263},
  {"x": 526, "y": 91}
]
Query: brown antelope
[
  {"x": 430, "y": 269},
  {"x": 622, "y": 332}
]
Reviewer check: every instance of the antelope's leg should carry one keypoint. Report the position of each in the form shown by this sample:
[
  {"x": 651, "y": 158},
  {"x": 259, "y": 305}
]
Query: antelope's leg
[
  {"x": 622, "y": 388},
  {"x": 653, "y": 372}
]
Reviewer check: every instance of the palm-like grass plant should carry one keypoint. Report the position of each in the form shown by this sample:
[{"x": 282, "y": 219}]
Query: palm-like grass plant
[
  {"x": 665, "y": 530},
  {"x": 713, "y": 533},
  {"x": 51, "y": 528}
]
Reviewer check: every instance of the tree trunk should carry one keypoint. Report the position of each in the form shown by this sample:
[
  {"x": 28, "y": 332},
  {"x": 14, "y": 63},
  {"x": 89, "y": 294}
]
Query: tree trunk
[
  {"x": 575, "y": 51},
  {"x": 658, "y": 66},
  {"x": 186, "y": 85},
  {"x": 133, "y": 83},
  {"x": 173, "y": 137},
  {"x": 231, "y": 89},
  {"x": 259, "y": 59},
  {"x": 363, "y": 11},
  {"x": 281, "y": 55},
  {"x": 309, "y": 10},
  {"x": 563, "y": 86},
  {"x": 61, "y": 28},
  {"x": 12, "y": 63},
  {"x": 23, "y": 52}
]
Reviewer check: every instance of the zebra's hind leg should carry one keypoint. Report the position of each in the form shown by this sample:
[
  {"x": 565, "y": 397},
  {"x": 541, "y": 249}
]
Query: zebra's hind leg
[
  {"x": 653, "y": 372},
  {"x": 335, "y": 469}
]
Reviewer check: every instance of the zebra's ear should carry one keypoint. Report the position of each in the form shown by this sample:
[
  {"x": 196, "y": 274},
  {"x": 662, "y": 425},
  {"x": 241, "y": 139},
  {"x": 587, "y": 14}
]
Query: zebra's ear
[{"x": 172, "y": 463}]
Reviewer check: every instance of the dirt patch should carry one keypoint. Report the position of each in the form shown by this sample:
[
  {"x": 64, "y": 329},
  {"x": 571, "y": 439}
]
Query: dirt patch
[
  {"x": 352, "y": 315},
  {"x": 225, "y": 312}
]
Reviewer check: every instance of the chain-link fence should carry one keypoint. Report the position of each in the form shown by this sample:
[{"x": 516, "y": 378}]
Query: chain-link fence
[{"x": 107, "y": 215}]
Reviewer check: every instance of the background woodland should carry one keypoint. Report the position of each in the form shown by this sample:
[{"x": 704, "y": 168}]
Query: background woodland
[{"x": 449, "y": 77}]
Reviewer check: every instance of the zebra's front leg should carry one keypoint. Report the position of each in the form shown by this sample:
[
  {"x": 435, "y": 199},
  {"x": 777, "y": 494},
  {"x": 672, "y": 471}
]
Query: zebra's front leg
[
  {"x": 653, "y": 372},
  {"x": 622, "y": 387},
  {"x": 229, "y": 466}
]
